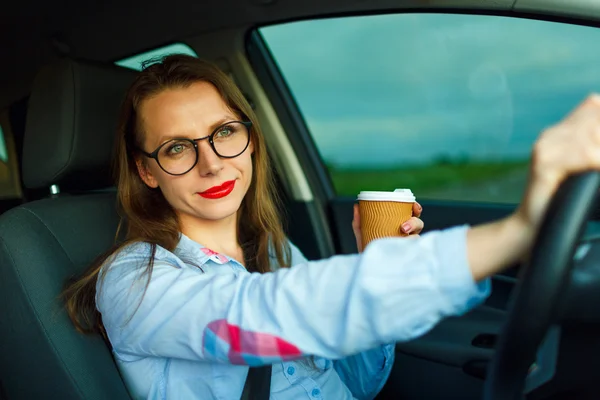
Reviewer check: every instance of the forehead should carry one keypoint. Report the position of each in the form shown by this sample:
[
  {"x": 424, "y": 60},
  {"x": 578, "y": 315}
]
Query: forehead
[{"x": 188, "y": 111}]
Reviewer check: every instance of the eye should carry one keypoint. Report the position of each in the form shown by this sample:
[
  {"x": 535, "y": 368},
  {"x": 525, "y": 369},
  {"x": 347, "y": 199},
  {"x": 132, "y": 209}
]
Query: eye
[
  {"x": 224, "y": 132},
  {"x": 177, "y": 148}
]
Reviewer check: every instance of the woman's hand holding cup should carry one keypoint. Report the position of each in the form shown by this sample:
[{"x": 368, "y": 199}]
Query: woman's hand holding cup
[{"x": 410, "y": 228}]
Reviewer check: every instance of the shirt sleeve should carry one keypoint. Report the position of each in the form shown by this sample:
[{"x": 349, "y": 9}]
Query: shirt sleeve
[
  {"x": 396, "y": 290},
  {"x": 364, "y": 373}
]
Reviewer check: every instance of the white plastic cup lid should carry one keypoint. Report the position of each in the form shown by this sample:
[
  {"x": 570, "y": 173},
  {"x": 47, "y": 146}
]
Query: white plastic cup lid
[{"x": 399, "y": 195}]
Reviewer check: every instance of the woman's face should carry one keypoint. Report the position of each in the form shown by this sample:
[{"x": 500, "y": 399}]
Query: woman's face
[{"x": 194, "y": 112}]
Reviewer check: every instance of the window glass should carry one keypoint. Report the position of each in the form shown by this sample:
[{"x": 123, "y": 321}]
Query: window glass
[
  {"x": 3, "y": 152},
  {"x": 135, "y": 62},
  {"x": 447, "y": 105},
  {"x": 10, "y": 183}
]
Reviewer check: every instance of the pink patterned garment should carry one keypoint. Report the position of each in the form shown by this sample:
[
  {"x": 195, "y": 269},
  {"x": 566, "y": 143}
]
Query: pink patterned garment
[
  {"x": 214, "y": 256},
  {"x": 244, "y": 347}
]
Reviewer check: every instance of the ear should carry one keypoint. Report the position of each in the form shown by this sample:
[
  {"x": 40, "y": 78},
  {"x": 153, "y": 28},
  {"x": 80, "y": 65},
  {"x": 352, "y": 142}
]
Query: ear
[
  {"x": 251, "y": 147},
  {"x": 145, "y": 174}
]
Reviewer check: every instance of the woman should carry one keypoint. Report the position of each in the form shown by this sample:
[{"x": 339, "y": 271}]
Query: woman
[{"x": 200, "y": 289}]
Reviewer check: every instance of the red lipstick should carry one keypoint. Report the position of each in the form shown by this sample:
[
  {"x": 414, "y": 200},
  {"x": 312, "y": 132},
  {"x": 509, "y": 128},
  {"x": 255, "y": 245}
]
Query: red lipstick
[{"x": 217, "y": 192}]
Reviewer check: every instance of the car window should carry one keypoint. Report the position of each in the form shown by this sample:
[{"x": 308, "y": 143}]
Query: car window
[
  {"x": 10, "y": 182},
  {"x": 135, "y": 62},
  {"x": 3, "y": 153},
  {"x": 447, "y": 105}
]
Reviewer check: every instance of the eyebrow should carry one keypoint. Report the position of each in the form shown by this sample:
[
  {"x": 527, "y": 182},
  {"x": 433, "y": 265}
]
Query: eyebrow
[{"x": 211, "y": 128}]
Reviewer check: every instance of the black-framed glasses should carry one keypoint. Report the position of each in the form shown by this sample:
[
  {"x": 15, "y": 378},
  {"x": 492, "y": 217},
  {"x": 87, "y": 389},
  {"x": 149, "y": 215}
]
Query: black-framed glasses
[{"x": 180, "y": 156}]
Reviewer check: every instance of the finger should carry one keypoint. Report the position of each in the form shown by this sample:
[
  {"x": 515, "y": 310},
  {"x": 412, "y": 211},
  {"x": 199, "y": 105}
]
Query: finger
[
  {"x": 551, "y": 163},
  {"x": 413, "y": 226},
  {"x": 356, "y": 217},
  {"x": 417, "y": 209},
  {"x": 356, "y": 228},
  {"x": 588, "y": 109}
]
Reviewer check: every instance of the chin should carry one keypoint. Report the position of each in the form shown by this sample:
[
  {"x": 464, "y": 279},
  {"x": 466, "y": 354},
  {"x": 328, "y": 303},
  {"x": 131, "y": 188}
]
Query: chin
[
  {"x": 217, "y": 210},
  {"x": 215, "y": 216}
]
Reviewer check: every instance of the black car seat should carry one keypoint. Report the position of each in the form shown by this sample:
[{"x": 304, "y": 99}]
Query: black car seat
[{"x": 71, "y": 119}]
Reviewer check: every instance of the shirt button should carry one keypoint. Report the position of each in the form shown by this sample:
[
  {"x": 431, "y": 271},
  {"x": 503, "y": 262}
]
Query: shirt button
[
  {"x": 291, "y": 370},
  {"x": 316, "y": 392}
]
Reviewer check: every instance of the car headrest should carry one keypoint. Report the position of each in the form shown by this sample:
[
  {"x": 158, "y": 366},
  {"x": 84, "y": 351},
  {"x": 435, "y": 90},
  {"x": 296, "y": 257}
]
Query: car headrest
[{"x": 71, "y": 121}]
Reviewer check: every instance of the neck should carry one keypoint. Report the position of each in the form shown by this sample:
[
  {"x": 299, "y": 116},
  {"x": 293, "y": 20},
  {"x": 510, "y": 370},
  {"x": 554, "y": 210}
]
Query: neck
[{"x": 220, "y": 236}]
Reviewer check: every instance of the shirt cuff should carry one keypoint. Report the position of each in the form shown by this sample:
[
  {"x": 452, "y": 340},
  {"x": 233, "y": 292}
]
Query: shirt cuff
[{"x": 388, "y": 352}]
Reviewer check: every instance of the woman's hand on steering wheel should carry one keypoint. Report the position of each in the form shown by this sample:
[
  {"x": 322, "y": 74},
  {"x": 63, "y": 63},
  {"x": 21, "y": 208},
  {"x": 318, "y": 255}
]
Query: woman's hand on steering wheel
[{"x": 569, "y": 147}]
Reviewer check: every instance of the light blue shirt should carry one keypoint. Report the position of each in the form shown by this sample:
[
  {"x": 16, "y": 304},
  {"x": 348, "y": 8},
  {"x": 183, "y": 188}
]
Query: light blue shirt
[{"x": 198, "y": 327}]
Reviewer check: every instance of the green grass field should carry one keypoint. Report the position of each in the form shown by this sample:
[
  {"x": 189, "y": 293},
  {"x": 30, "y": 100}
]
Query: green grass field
[{"x": 349, "y": 182}]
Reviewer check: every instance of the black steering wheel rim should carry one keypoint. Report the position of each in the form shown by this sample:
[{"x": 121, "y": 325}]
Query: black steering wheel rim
[{"x": 537, "y": 295}]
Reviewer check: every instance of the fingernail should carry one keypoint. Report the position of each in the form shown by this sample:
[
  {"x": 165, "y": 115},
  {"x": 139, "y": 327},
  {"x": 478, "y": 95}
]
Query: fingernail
[{"x": 406, "y": 228}]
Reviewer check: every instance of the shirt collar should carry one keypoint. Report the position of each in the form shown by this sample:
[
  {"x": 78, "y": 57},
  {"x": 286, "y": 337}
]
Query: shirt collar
[{"x": 190, "y": 249}]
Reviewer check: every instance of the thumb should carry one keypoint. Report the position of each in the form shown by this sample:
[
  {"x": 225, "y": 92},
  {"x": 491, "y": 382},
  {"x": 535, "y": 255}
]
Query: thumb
[{"x": 356, "y": 228}]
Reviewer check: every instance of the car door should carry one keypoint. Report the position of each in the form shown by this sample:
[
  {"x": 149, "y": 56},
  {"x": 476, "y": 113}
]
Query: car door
[{"x": 447, "y": 105}]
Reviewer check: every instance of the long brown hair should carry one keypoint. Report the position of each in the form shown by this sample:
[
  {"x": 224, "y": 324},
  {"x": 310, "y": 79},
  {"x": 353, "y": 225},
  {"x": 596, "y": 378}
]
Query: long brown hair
[{"x": 146, "y": 216}]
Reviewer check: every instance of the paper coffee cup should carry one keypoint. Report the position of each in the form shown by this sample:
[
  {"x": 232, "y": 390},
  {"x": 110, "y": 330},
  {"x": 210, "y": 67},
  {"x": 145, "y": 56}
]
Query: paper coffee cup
[{"x": 383, "y": 213}]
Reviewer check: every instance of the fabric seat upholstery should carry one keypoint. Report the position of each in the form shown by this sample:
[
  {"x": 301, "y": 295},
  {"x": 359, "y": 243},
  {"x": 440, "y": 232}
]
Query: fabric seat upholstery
[{"x": 71, "y": 120}]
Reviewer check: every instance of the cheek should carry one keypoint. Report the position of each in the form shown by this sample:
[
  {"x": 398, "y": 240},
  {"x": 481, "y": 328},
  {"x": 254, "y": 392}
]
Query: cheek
[
  {"x": 179, "y": 186},
  {"x": 172, "y": 187},
  {"x": 247, "y": 169},
  {"x": 244, "y": 169}
]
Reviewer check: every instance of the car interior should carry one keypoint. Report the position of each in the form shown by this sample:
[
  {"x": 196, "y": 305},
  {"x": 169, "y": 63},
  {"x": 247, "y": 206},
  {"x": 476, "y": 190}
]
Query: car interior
[{"x": 61, "y": 85}]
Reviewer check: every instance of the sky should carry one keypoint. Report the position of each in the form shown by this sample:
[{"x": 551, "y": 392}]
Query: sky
[{"x": 411, "y": 88}]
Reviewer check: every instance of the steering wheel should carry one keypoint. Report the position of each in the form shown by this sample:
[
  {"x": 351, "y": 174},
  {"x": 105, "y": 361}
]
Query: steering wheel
[{"x": 537, "y": 295}]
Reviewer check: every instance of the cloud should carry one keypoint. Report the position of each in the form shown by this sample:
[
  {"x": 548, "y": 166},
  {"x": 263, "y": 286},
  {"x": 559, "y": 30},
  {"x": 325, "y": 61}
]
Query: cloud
[{"x": 433, "y": 84}]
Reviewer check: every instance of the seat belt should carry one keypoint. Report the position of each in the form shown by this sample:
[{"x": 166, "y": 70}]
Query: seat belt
[{"x": 258, "y": 384}]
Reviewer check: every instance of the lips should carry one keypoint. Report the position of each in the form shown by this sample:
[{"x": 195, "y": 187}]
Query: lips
[{"x": 217, "y": 192}]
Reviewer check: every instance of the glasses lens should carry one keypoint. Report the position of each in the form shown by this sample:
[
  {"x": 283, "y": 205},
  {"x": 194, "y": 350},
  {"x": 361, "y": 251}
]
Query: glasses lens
[
  {"x": 231, "y": 139},
  {"x": 177, "y": 156}
]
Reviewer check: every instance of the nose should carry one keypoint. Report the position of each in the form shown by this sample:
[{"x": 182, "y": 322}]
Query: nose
[{"x": 209, "y": 163}]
